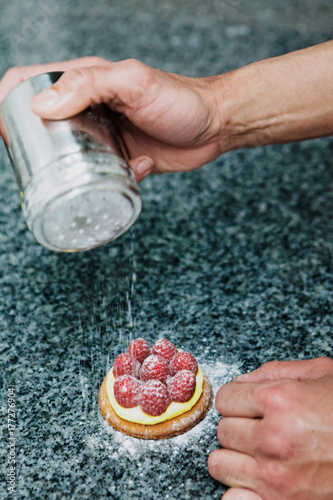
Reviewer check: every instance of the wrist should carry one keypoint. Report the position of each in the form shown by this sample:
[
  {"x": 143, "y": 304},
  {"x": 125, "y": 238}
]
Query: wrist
[{"x": 244, "y": 120}]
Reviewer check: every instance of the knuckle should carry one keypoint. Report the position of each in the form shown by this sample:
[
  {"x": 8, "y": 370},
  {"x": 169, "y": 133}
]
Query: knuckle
[
  {"x": 213, "y": 463},
  {"x": 79, "y": 75},
  {"x": 224, "y": 432},
  {"x": 221, "y": 468},
  {"x": 270, "y": 366},
  {"x": 275, "y": 443},
  {"x": 282, "y": 477},
  {"x": 98, "y": 60},
  {"x": 219, "y": 400},
  {"x": 76, "y": 79},
  {"x": 134, "y": 64},
  {"x": 279, "y": 395},
  {"x": 324, "y": 365},
  {"x": 274, "y": 473},
  {"x": 138, "y": 70},
  {"x": 246, "y": 469},
  {"x": 144, "y": 82}
]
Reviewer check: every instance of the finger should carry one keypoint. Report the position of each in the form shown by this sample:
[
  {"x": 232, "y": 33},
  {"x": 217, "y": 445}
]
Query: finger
[
  {"x": 233, "y": 469},
  {"x": 14, "y": 76},
  {"x": 296, "y": 370},
  {"x": 121, "y": 83},
  {"x": 239, "y": 400},
  {"x": 240, "y": 494},
  {"x": 142, "y": 166},
  {"x": 239, "y": 434}
]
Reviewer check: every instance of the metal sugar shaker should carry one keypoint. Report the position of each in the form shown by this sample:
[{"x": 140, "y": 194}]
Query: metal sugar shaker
[{"x": 77, "y": 190}]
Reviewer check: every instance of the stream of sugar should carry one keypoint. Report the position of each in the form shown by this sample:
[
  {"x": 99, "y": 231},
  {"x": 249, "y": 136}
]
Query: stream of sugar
[{"x": 121, "y": 325}]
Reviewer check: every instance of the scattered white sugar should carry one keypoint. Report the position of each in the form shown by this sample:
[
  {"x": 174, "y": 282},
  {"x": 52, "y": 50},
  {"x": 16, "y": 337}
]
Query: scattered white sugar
[
  {"x": 198, "y": 438},
  {"x": 126, "y": 444},
  {"x": 219, "y": 373}
]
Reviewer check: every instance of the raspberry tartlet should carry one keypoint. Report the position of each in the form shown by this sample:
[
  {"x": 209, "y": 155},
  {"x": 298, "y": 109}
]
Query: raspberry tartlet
[{"x": 155, "y": 393}]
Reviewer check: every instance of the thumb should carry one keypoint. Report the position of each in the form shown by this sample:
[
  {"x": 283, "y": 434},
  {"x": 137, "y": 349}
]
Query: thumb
[
  {"x": 296, "y": 370},
  {"x": 141, "y": 166},
  {"x": 114, "y": 83}
]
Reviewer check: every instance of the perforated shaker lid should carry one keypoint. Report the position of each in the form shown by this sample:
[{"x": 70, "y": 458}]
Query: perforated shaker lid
[{"x": 88, "y": 211}]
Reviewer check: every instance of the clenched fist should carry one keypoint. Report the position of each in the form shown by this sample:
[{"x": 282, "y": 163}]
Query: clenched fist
[{"x": 277, "y": 433}]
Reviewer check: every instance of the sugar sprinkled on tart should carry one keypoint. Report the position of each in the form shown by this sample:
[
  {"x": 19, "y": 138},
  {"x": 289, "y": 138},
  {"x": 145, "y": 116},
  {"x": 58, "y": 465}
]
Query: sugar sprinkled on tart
[{"x": 149, "y": 386}]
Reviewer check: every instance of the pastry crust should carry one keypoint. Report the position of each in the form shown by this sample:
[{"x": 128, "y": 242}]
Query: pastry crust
[{"x": 163, "y": 430}]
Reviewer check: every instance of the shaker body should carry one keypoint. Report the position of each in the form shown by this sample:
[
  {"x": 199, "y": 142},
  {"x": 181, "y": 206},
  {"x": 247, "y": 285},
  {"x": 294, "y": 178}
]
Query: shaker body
[{"x": 77, "y": 190}]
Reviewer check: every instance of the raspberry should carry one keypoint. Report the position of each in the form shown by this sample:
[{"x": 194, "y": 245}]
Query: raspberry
[
  {"x": 125, "y": 364},
  {"x": 127, "y": 391},
  {"x": 182, "y": 386},
  {"x": 155, "y": 368},
  {"x": 155, "y": 398},
  {"x": 183, "y": 361},
  {"x": 139, "y": 349},
  {"x": 164, "y": 348}
]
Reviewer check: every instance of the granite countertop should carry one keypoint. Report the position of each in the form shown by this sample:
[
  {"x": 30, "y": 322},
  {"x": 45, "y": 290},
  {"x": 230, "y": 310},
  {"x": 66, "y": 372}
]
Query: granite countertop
[{"x": 232, "y": 262}]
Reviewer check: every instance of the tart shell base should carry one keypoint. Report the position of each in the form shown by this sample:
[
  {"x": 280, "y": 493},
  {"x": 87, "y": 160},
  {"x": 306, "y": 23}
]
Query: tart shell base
[{"x": 163, "y": 430}]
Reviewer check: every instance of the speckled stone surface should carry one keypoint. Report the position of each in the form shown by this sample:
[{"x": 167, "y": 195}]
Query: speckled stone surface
[{"x": 232, "y": 262}]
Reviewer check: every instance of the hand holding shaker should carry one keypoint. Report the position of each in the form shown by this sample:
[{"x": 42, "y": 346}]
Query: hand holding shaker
[{"x": 77, "y": 190}]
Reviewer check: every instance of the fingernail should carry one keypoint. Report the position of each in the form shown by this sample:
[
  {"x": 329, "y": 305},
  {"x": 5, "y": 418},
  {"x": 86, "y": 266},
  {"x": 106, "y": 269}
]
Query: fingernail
[
  {"x": 48, "y": 97},
  {"x": 143, "y": 167}
]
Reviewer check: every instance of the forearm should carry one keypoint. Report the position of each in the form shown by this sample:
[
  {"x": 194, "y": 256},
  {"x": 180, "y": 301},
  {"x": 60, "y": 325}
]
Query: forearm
[{"x": 278, "y": 100}]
